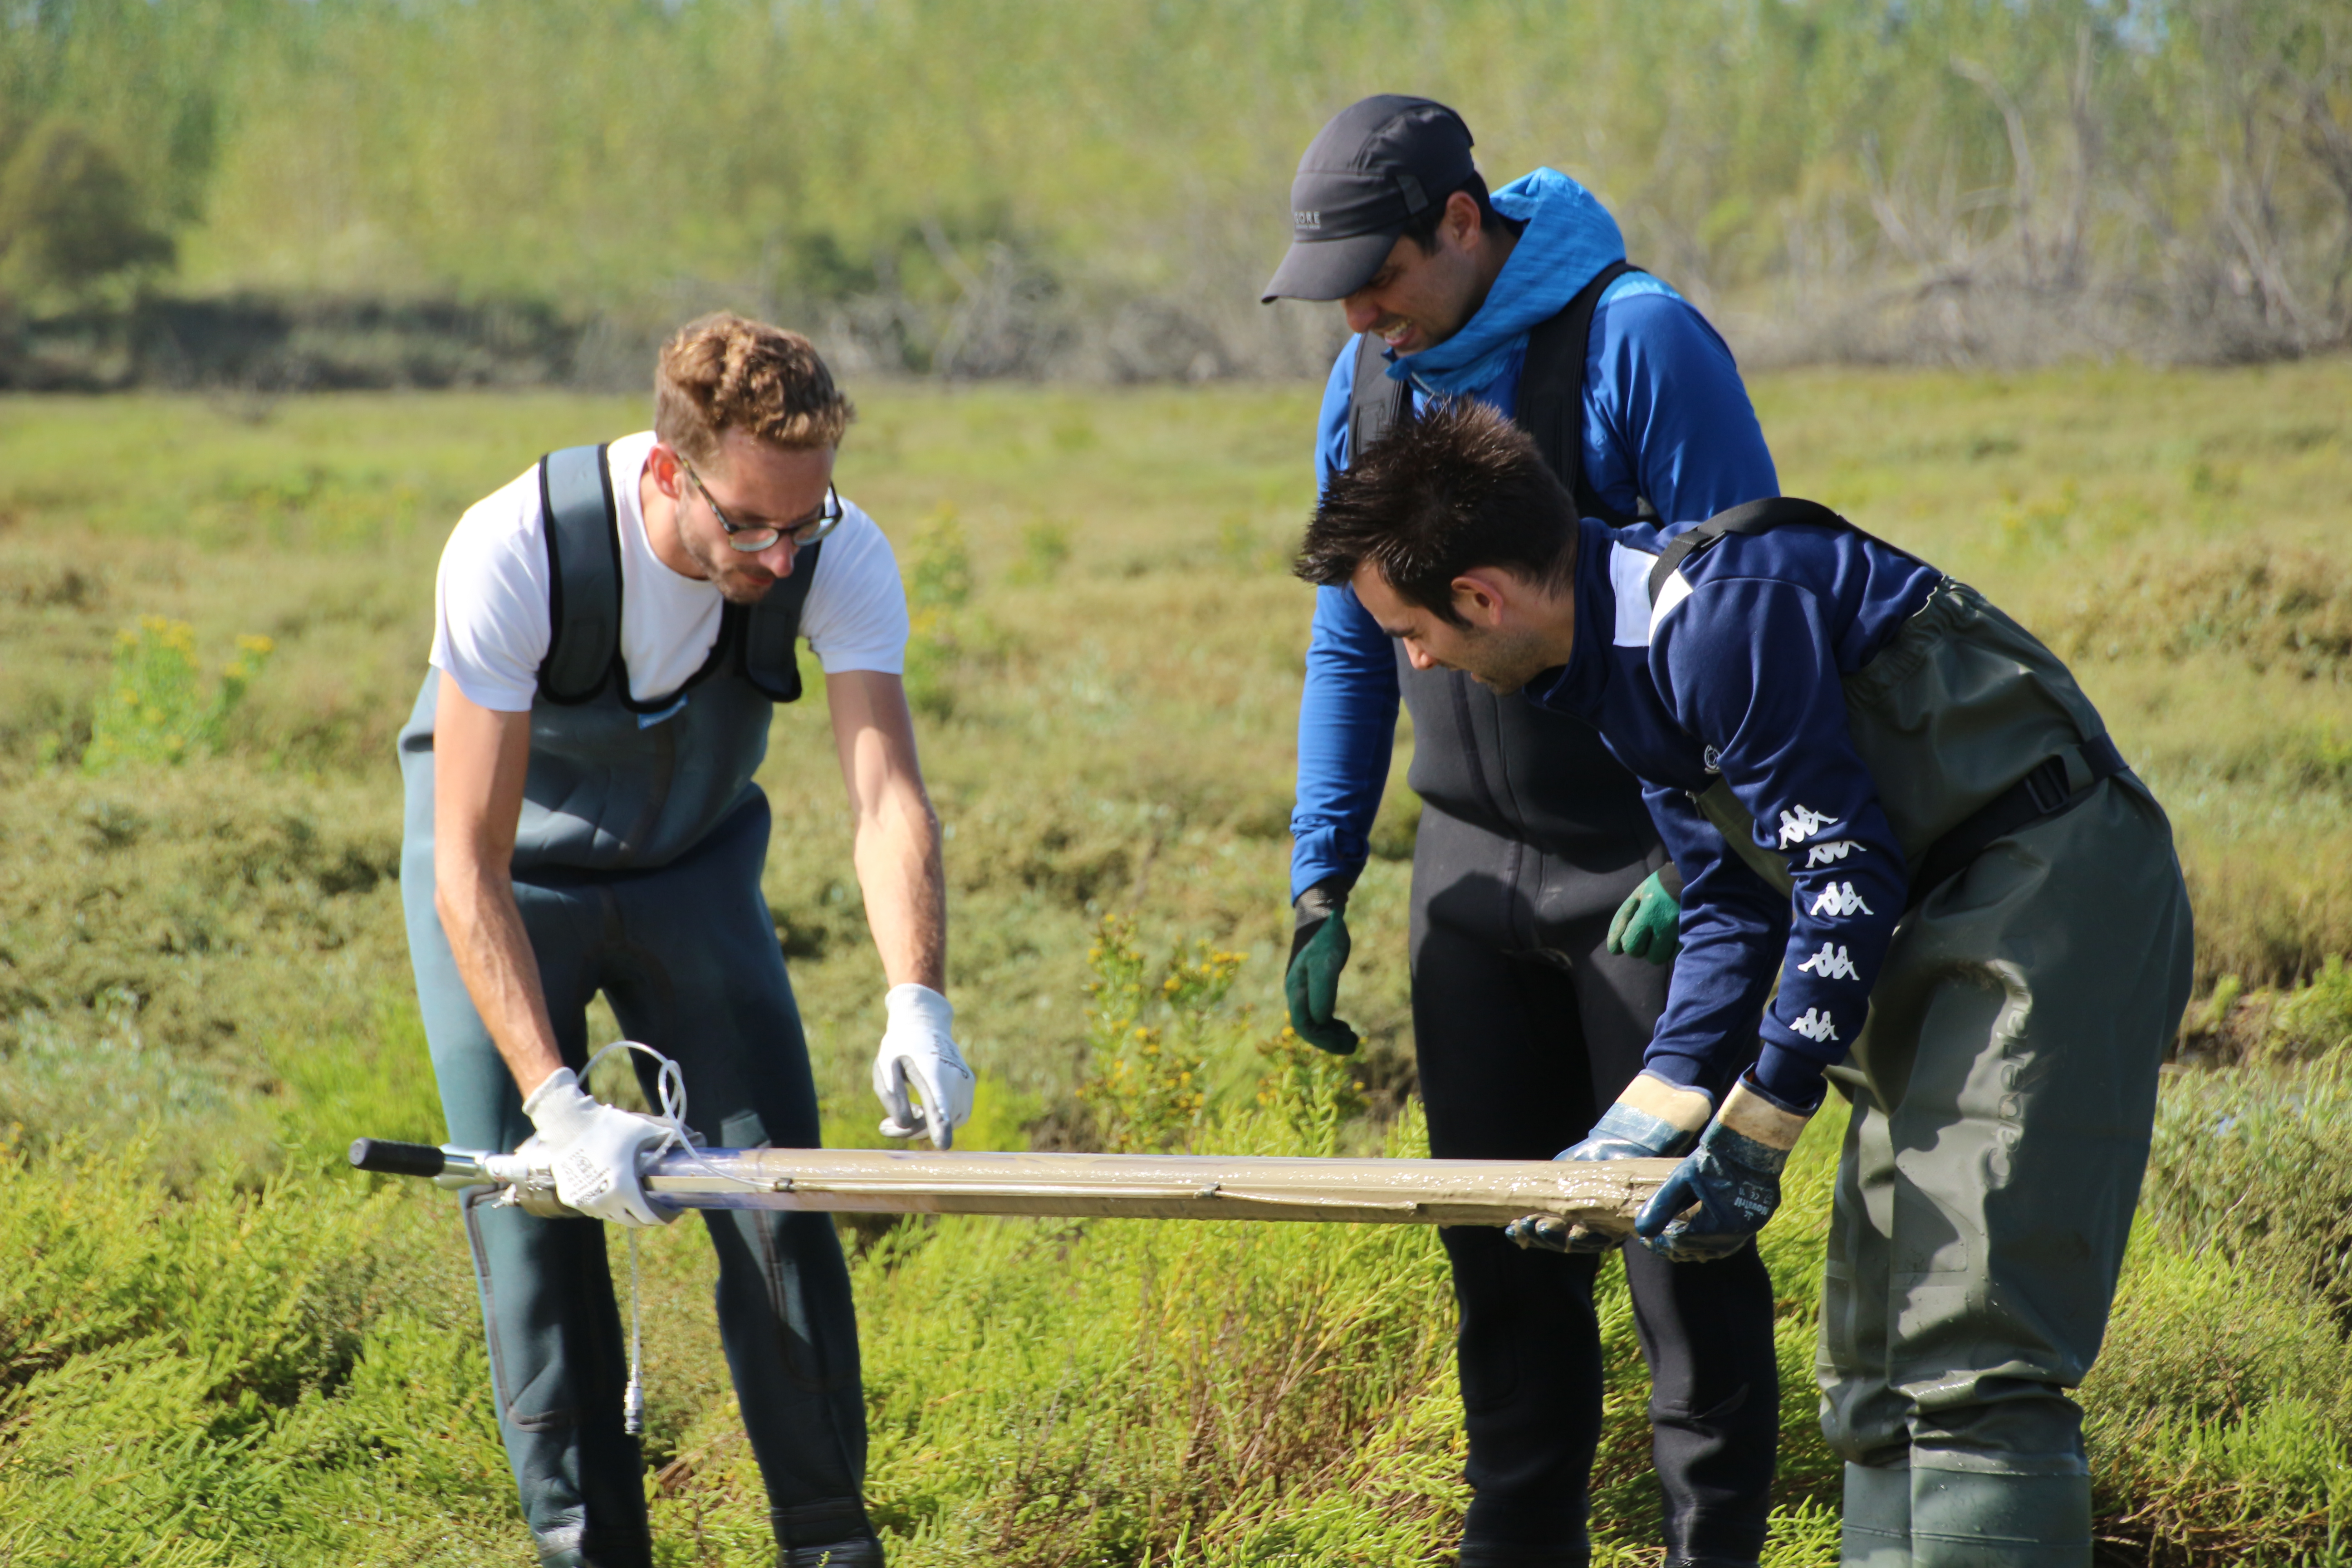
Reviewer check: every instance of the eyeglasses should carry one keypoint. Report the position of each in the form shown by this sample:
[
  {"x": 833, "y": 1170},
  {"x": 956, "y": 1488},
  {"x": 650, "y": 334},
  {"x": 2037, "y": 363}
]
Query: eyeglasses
[{"x": 750, "y": 537}]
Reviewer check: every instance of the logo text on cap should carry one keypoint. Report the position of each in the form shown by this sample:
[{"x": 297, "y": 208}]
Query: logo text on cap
[{"x": 1306, "y": 219}]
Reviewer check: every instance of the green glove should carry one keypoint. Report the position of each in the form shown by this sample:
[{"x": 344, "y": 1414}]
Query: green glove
[
  {"x": 1648, "y": 923},
  {"x": 1318, "y": 951}
]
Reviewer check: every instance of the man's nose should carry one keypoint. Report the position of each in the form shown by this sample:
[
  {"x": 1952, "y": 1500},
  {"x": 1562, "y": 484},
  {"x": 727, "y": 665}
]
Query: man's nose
[
  {"x": 1361, "y": 311},
  {"x": 1419, "y": 656},
  {"x": 778, "y": 557}
]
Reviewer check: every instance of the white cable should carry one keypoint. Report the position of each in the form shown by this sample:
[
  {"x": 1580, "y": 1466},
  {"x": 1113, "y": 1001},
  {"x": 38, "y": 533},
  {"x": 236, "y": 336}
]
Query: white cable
[
  {"x": 633, "y": 1402},
  {"x": 670, "y": 1090}
]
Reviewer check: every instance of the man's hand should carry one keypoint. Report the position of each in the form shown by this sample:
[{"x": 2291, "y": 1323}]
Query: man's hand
[
  {"x": 1648, "y": 924},
  {"x": 919, "y": 1053},
  {"x": 1653, "y": 1120},
  {"x": 596, "y": 1150},
  {"x": 1318, "y": 951},
  {"x": 1720, "y": 1196}
]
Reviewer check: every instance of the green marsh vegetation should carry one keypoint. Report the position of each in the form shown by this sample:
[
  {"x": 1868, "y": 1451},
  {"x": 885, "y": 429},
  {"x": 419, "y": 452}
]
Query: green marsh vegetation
[{"x": 218, "y": 1347}]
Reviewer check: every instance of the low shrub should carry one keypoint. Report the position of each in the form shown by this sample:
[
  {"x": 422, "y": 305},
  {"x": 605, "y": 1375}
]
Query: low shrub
[
  {"x": 2269, "y": 605},
  {"x": 238, "y": 1378},
  {"x": 293, "y": 1375},
  {"x": 2221, "y": 1408},
  {"x": 156, "y": 709}
]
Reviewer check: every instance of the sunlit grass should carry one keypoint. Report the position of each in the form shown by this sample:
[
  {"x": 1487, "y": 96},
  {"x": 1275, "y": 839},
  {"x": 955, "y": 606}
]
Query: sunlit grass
[{"x": 210, "y": 956}]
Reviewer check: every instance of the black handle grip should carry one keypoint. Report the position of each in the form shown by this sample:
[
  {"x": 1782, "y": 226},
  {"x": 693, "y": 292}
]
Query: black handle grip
[{"x": 388, "y": 1158}]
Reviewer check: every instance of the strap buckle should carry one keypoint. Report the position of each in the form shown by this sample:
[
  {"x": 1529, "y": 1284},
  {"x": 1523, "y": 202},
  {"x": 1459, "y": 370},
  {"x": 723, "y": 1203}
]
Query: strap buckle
[{"x": 2047, "y": 785}]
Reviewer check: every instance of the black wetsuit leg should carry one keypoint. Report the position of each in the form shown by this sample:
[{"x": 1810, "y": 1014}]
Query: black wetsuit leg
[{"x": 1525, "y": 1029}]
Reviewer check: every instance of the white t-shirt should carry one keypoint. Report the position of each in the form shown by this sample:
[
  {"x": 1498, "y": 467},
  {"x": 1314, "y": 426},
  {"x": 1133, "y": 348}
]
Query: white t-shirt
[{"x": 491, "y": 623}]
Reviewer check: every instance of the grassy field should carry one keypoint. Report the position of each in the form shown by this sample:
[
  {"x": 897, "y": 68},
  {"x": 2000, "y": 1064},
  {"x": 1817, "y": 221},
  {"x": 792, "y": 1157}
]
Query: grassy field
[{"x": 202, "y": 964}]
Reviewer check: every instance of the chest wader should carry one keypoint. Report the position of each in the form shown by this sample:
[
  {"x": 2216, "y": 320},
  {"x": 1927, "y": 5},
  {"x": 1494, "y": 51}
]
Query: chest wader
[
  {"x": 1525, "y": 1028},
  {"x": 637, "y": 869},
  {"x": 2003, "y": 1087}
]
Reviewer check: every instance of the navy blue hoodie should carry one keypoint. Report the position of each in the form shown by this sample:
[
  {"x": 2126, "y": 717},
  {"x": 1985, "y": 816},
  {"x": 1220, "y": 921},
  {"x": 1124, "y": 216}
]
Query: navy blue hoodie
[{"x": 1736, "y": 674}]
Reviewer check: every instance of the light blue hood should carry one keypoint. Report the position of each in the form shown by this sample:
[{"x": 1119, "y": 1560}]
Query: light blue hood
[{"x": 1568, "y": 238}]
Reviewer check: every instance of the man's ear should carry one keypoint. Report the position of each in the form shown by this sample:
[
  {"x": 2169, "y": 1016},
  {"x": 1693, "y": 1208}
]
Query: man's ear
[
  {"x": 1480, "y": 597},
  {"x": 668, "y": 476},
  {"x": 1461, "y": 221}
]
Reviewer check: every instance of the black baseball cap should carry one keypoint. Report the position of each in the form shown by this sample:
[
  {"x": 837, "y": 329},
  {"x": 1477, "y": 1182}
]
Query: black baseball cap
[{"x": 1378, "y": 166}]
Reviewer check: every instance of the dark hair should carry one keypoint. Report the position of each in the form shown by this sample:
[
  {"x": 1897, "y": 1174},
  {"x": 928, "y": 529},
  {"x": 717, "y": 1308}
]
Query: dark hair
[
  {"x": 1422, "y": 228},
  {"x": 1457, "y": 488}
]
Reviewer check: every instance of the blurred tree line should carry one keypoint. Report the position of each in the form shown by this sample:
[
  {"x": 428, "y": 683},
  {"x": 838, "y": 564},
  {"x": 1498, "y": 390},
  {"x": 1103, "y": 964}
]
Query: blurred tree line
[{"x": 988, "y": 187}]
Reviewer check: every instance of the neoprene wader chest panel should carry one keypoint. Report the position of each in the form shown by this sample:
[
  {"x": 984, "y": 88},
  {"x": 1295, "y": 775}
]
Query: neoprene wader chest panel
[
  {"x": 1502, "y": 763},
  {"x": 616, "y": 784},
  {"x": 1959, "y": 706}
]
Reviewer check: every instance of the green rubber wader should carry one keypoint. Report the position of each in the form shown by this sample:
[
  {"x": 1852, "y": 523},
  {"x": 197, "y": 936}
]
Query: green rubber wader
[
  {"x": 1962, "y": 704},
  {"x": 637, "y": 867},
  {"x": 2003, "y": 1090},
  {"x": 1875, "y": 1529}
]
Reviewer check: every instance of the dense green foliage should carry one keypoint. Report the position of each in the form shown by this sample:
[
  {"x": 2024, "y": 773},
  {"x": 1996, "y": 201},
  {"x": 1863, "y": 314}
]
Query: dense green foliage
[
  {"x": 288, "y": 1375},
  {"x": 218, "y": 1347},
  {"x": 1013, "y": 186}
]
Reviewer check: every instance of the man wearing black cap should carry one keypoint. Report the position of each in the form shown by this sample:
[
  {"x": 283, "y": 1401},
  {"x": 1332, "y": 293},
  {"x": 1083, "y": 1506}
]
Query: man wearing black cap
[{"x": 1532, "y": 1005}]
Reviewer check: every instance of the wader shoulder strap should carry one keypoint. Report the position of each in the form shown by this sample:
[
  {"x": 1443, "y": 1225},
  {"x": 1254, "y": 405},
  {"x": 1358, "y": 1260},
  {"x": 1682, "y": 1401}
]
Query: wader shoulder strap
[
  {"x": 1748, "y": 517},
  {"x": 764, "y": 633},
  {"x": 1551, "y": 394},
  {"x": 1376, "y": 403},
  {"x": 2056, "y": 784},
  {"x": 583, "y": 574},
  {"x": 1550, "y": 400}
]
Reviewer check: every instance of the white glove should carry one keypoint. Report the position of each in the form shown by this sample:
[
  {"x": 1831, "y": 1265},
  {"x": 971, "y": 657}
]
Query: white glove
[
  {"x": 916, "y": 1051},
  {"x": 595, "y": 1150}
]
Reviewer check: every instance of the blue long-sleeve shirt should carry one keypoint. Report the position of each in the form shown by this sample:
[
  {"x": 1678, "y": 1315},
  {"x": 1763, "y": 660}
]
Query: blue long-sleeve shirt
[
  {"x": 1666, "y": 418},
  {"x": 1736, "y": 674}
]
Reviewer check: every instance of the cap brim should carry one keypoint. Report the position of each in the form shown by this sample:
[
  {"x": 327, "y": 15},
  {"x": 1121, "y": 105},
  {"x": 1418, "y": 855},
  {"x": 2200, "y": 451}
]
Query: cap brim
[{"x": 1328, "y": 268}]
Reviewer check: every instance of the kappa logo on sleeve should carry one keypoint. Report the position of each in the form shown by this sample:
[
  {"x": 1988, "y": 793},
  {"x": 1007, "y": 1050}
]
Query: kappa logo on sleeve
[
  {"x": 1829, "y": 854},
  {"x": 1831, "y": 963},
  {"x": 1800, "y": 823},
  {"x": 1839, "y": 902},
  {"x": 1815, "y": 1026}
]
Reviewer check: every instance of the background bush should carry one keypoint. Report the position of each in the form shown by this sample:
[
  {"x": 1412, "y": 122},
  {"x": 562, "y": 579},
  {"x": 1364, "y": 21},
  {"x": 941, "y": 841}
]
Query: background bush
[{"x": 1004, "y": 187}]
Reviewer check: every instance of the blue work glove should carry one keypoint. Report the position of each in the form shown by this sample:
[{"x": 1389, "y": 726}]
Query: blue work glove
[
  {"x": 1719, "y": 1197},
  {"x": 1653, "y": 1120},
  {"x": 1318, "y": 951},
  {"x": 1648, "y": 924}
]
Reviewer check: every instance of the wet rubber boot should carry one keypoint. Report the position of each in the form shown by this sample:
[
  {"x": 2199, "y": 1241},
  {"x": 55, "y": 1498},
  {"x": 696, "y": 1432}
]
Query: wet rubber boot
[
  {"x": 1877, "y": 1527},
  {"x": 1967, "y": 1519}
]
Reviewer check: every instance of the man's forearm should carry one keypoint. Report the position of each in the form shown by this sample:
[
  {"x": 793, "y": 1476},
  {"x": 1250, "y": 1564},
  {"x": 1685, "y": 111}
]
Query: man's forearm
[
  {"x": 485, "y": 928},
  {"x": 1347, "y": 729},
  {"x": 898, "y": 870}
]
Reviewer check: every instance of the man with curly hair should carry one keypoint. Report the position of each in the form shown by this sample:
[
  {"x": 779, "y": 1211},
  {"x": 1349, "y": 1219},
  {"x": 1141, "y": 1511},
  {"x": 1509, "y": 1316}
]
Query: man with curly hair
[{"x": 612, "y": 632}]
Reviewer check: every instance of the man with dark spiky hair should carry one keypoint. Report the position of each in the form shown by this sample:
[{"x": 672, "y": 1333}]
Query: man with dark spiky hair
[{"x": 1887, "y": 797}]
